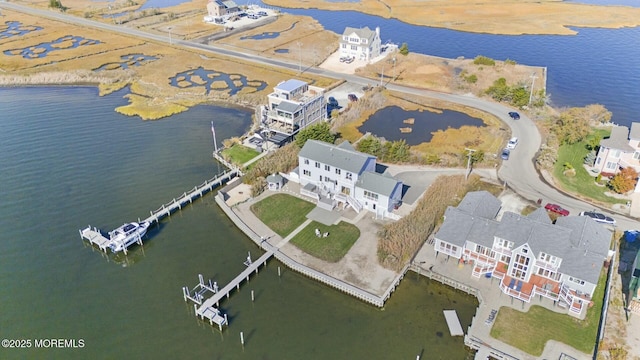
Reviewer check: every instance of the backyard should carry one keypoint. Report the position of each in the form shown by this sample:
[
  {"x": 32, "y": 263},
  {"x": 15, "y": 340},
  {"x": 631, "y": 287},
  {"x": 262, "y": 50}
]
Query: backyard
[
  {"x": 530, "y": 331},
  {"x": 332, "y": 247},
  {"x": 582, "y": 183},
  {"x": 282, "y": 213},
  {"x": 239, "y": 154}
]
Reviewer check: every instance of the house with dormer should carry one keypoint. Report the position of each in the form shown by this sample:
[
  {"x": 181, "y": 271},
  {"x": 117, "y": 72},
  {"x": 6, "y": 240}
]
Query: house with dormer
[
  {"x": 339, "y": 175},
  {"x": 293, "y": 105},
  {"x": 363, "y": 44},
  {"x": 528, "y": 254},
  {"x": 620, "y": 150}
]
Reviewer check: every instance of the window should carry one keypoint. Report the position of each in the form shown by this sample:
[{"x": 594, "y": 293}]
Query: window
[
  {"x": 520, "y": 267},
  {"x": 306, "y": 161},
  {"x": 505, "y": 243},
  {"x": 611, "y": 165},
  {"x": 577, "y": 281},
  {"x": 354, "y": 47},
  {"x": 348, "y": 176},
  {"x": 306, "y": 172},
  {"x": 636, "y": 155},
  {"x": 337, "y": 171},
  {"x": 371, "y": 196},
  {"x": 344, "y": 46},
  {"x": 318, "y": 165},
  {"x": 616, "y": 154},
  {"x": 547, "y": 258},
  {"x": 327, "y": 168}
]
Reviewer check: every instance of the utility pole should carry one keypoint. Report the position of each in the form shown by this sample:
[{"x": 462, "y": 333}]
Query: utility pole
[
  {"x": 300, "y": 56},
  {"x": 533, "y": 79},
  {"x": 469, "y": 153},
  {"x": 382, "y": 74},
  {"x": 170, "y": 41}
]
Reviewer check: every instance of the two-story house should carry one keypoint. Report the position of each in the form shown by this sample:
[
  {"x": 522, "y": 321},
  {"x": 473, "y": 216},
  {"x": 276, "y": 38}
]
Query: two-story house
[
  {"x": 362, "y": 44},
  {"x": 293, "y": 105},
  {"x": 220, "y": 8},
  {"x": 620, "y": 150},
  {"x": 528, "y": 254},
  {"x": 339, "y": 175}
]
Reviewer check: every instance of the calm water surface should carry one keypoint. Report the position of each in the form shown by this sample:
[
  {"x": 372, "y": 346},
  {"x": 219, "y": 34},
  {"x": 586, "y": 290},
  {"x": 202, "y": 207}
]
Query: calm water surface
[{"x": 69, "y": 160}]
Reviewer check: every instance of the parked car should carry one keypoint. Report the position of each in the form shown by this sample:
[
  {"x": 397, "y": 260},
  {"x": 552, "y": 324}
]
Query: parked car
[
  {"x": 352, "y": 97},
  {"x": 332, "y": 102},
  {"x": 514, "y": 115},
  {"x": 513, "y": 142},
  {"x": 505, "y": 154},
  {"x": 262, "y": 13},
  {"x": 556, "y": 209},
  {"x": 349, "y": 60},
  {"x": 598, "y": 217}
]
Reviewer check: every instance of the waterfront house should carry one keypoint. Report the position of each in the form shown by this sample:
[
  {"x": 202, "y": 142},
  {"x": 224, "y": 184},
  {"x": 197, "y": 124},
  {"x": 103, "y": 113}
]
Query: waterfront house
[
  {"x": 338, "y": 175},
  {"x": 620, "y": 150},
  {"x": 220, "y": 8},
  {"x": 293, "y": 105},
  {"x": 529, "y": 255},
  {"x": 363, "y": 44}
]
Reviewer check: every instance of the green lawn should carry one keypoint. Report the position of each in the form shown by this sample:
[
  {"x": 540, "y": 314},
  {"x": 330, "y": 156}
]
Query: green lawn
[
  {"x": 282, "y": 213},
  {"x": 331, "y": 248},
  {"x": 582, "y": 183},
  {"x": 239, "y": 154},
  {"x": 530, "y": 331}
]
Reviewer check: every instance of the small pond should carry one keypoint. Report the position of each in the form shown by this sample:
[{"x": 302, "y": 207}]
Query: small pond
[
  {"x": 16, "y": 28},
  {"x": 389, "y": 121}
]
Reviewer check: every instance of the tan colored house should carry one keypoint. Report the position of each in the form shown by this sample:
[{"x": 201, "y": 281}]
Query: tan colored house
[{"x": 220, "y": 8}]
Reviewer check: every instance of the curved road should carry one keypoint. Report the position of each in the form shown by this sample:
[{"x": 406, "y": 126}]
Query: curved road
[{"x": 519, "y": 171}]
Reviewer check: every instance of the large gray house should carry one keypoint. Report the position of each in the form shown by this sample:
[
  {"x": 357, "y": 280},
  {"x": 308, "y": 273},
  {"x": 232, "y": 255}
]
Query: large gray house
[
  {"x": 528, "y": 254},
  {"x": 338, "y": 175}
]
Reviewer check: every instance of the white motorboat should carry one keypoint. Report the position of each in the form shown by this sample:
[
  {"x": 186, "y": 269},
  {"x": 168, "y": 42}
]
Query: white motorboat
[{"x": 126, "y": 235}]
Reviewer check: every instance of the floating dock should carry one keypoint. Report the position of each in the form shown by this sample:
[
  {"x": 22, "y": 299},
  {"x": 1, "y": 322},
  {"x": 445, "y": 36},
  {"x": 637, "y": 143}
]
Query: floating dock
[
  {"x": 453, "y": 322},
  {"x": 95, "y": 236}
]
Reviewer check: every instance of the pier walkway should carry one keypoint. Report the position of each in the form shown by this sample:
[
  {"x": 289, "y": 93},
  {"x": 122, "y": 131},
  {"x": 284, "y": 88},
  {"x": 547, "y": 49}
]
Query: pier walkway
[{"x": 102, "y": 241}]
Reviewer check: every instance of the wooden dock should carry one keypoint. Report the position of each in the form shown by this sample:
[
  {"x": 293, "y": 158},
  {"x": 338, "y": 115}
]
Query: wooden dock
[
  {"x": 209, "y": 309},
  {"x": 95, "y": 236}
]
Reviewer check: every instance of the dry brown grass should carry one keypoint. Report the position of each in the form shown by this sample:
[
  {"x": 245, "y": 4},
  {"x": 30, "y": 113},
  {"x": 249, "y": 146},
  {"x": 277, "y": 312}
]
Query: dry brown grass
[
  {"x": 447, "y": 145},
  {"x": 399, "y": 241},
  {"x": 152, "y": 94},
  {"x": 511, "y": 17}
]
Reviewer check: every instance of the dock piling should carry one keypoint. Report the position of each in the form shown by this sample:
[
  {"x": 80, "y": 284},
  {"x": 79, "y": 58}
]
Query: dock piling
[
  {"x": 241, "y": 338},
  {"x": 252, "y": 297}
]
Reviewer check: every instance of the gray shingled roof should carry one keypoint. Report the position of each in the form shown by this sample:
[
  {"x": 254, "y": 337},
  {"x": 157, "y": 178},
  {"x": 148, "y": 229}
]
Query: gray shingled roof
[
  {"x": 363, "y": 33},
  {"x": 377, "y": 183},
  {"x": 579, "y": 241},
  {"x": 288, "y": 107},
  {"x": 634, "y": 134},
  {"x": 619, "y": 139},
  {"x": 456, "y": 227},
  {"x": 336, "y": 156},
  {"x": 290, "y": 85},
  {"x": 540, "y": 215},
  {"x": 480, "y": 203}
]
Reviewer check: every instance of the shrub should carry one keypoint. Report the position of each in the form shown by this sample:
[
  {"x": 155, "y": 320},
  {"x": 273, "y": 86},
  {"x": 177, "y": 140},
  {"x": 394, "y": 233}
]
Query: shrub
[
  {"x": 483, "y": 60},
  {"x": 282, "y": 160},
  {"x": 404, "y": 49},
  {"x": 624, "y": 181},
  {"x": 472, "y": 79},
  {"x": 510, "y": 62}
]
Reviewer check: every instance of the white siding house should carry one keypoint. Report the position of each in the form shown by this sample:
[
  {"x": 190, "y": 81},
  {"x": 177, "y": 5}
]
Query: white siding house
[
  {"x": 341, "y": 175},
  {"x": 362, "y": 44}
]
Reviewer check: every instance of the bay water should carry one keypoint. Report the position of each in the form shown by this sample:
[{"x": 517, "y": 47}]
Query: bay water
[{"x": 68, "y": 160}]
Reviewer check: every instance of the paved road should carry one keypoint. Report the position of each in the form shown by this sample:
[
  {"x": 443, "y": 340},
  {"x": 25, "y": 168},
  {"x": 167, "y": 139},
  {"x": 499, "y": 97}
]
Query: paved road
[{"x": 519, "y": 171}]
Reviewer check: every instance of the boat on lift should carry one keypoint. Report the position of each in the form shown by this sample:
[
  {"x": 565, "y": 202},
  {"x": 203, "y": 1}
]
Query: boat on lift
[{"x": 126, "y": 235}]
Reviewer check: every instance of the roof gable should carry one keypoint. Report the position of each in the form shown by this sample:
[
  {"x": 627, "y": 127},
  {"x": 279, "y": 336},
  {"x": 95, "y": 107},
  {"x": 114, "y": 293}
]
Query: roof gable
[
  {"x": 336, "y": 156},
  {"x": 377, "y": 183},
  {"x": 619, "y": 139},
  {"x": 480, "y": 203}
]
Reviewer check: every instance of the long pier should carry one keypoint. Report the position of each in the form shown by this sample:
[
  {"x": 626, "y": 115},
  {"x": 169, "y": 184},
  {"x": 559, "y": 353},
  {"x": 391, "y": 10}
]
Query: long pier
[{"x": 102, "y": 241}]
